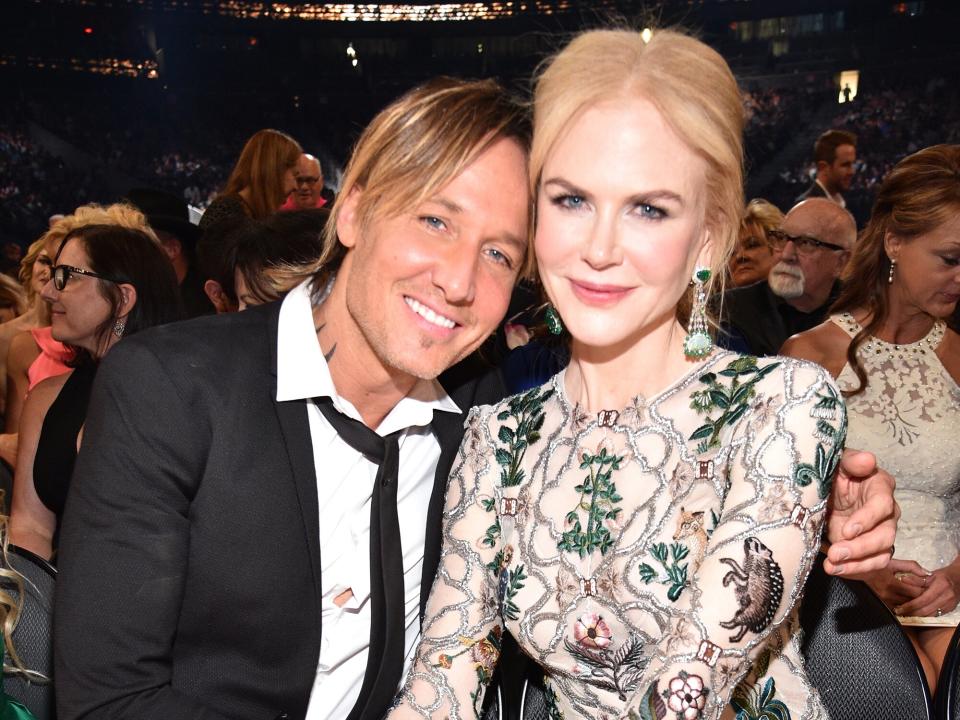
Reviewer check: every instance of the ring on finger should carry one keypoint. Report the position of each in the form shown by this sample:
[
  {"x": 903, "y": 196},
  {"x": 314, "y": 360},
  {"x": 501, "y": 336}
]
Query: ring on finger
[{"x": 939, "y": 612}]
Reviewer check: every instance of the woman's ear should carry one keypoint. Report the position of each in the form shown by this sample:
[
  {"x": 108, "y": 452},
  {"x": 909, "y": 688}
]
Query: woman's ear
[
  {"x": 891, "y": 245},
  {"x": 128, "y": 298},
  {"x": 705, "y": 256}
]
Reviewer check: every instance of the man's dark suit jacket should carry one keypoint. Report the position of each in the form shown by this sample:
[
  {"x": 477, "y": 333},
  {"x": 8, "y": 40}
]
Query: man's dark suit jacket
[
  {"x": 813, "y": 191},
  {"x": 757, "y": 322},
  {"x": 189, "y": 581}
]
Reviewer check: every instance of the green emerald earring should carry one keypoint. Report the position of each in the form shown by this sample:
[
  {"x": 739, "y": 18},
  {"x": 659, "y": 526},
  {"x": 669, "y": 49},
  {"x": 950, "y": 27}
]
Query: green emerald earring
[
  {"x": 698, "y": 343},
  {"x": 552, "y": 319}
]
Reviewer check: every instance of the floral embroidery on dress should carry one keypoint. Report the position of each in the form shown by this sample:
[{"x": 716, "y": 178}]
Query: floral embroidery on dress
[
  {"x": 674, "y": 573},
  {"x": 733, "y": 401},
  {"x": 686, "y": 695},
  {"x": 484, "y": 653},
  {"x": 599, "y": 498},
  {"x": 527, "y": 411},
  {"x": 616, "y": 671},
  {"x": 752, "y": 702},
  {"x": 826, "y": 410}
]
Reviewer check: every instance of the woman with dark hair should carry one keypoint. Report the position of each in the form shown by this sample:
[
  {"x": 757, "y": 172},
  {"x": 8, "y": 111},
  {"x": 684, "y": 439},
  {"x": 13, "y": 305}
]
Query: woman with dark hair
[
  {"x": 898, "y": 365},
  {"x": 107, "y": 282},
  {"x": 268, "y": 257},
  {"x": 265, "y": 174}
]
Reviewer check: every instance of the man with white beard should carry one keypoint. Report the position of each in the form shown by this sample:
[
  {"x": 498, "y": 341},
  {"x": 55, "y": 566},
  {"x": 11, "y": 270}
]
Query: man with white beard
[{"x": 814, "y": 242}]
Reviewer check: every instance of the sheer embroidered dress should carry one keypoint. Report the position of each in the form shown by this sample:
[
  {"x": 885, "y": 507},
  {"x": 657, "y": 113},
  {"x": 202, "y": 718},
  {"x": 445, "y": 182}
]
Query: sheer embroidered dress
[
  {"x": 909, "y": 417},
  {"x": 646, "y": 558}
]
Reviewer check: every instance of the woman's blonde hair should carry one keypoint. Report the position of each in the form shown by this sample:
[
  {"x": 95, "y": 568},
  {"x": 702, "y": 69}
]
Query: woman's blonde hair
[
  {"x": 92, "y": 214},
  {"x": 761, "y": 215},
  {"x": 691, "y": 86},
  {"x": 418, "y": 144},
  {"x": 264, "y": 160}
]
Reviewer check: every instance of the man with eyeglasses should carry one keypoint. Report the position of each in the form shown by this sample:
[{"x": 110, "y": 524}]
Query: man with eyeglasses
[
  {"x": 310, "y": 192},
  {"x": 814, "y": 242}
]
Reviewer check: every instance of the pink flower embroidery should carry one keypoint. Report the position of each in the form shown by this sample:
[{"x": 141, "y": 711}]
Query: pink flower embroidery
[
  {"x": 591, "y": 631},
  {"x": 687, "y": 696}
]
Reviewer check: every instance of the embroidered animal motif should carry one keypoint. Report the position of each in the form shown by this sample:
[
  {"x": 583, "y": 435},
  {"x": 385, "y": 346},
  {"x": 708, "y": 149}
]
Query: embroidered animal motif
[
  {"x": 758, "y": 586},
  {"x": 691, "y": 529}
]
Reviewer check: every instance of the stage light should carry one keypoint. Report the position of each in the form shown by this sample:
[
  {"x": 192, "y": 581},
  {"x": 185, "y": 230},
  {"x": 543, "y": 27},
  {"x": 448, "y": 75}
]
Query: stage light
[
  {"x": 88, "y": 31},
  {"x": 646, "y": 35}
]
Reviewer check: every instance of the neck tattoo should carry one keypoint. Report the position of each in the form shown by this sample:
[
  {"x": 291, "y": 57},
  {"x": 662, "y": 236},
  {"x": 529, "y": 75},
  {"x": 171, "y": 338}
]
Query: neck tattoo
[{"x": 333, "y": 348}]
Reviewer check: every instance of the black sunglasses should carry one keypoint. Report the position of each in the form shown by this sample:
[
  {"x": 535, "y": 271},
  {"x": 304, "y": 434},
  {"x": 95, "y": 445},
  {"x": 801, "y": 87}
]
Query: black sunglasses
[
  {"x": 805, "y": 244},
  {"x": 62, "y": 273}
]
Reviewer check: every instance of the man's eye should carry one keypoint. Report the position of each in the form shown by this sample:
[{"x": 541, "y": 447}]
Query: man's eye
[
  {"x": 500, "y": 257},
  {"x": 433, "y": 222}
]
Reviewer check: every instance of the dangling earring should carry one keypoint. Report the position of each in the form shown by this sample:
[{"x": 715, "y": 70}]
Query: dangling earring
[
  {"x": 698, "y": 342},
  {"x": 893, "y": 265},
  {"x": 552, "y": 318},
  {"x": 118, "y": 327}
]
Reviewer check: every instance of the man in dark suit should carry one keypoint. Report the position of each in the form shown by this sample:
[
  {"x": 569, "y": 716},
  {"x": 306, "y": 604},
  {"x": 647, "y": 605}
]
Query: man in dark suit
[
  {"x": 216, "y": 559},
  {"x": 219, "y": 518},
  {"x": 835, "y": 153}
]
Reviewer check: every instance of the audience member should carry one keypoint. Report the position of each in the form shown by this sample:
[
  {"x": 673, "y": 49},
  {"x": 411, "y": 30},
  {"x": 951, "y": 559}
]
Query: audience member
[
  {"x": 265, "y": 174},
  {"x": 269, "y": 256},
  {"x": 754, "y": 256},
  {"x": 899, "y": 366},
  {"x": 109, "y": 281},
  {"x": 835, "y": 153},
  {"x": 169, "y": 217},
  {"x": 814, "y": 243},
  {"x": 13, "y": 300},
  {"x": 310, "y": 192}
]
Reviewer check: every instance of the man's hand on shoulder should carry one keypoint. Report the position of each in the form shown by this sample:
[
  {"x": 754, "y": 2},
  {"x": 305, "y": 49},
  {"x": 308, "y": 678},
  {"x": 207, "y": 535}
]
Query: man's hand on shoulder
[{"x": 861, "y": 516}]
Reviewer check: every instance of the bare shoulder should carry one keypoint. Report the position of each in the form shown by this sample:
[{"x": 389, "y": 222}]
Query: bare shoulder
[
  {"x": 826, "y": 345},
  {"x": 22, "y": 345},
  {"x": 949, "y": 354},
  {"x": 42, "y": 395}
]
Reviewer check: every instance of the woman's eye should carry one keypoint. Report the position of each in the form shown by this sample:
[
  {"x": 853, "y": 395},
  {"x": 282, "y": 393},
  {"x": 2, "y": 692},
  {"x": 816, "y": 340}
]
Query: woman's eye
[
  {"x": 569, "y": 201},
  {"x": 952, "y": 261},
  {"x": 651, "y": 212}
]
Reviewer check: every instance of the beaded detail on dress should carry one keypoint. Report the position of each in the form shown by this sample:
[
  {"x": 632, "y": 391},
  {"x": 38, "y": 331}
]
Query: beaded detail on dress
[
  {"x": 909, "y": 417},
  {"x": 649, "y": 558}
]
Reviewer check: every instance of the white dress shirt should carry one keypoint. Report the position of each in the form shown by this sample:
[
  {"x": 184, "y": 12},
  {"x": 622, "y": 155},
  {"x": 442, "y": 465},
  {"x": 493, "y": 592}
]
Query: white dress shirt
[{"x": 344, "y": 490}]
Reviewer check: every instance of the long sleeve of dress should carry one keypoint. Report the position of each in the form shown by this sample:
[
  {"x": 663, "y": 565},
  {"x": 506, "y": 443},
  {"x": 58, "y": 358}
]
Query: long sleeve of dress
[
  {"x": 462, "y": 627},
  {"x": 789, "y": 427}
]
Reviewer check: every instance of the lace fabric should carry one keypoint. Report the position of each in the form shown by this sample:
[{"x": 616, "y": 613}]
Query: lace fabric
[
  {"x": 909, "y": 417},
  {"x": 650, "y": 559}
]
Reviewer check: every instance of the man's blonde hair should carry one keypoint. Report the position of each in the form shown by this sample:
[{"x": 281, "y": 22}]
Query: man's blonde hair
[{"x": 418, "y": 144}]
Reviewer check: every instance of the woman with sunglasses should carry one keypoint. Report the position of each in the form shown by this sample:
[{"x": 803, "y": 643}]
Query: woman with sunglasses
[
  {"x": 898, "y": 364},
  {"x": 107, "y": 282}
]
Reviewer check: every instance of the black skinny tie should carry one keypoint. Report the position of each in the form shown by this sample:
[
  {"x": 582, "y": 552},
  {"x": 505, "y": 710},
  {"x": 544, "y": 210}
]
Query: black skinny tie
[{"x": 387, "y": 627}]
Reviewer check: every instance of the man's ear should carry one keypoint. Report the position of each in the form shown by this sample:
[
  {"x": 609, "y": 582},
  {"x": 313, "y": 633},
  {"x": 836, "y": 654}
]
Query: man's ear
[
  {"x": 348, "y": 227},
  {"x": 822, "y": 166},
  {"x": 128, "y": 298},
  {"x": 221, "y": 301}
]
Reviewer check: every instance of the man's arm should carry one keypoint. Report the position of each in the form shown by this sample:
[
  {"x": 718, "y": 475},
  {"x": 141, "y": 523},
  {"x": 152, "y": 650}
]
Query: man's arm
[
  {"x": 862, "y": 517},
  {"x": 124, "y": 545}
]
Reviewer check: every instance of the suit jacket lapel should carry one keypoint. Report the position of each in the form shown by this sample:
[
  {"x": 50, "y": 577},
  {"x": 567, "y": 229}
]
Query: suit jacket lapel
[{"x": 295, "y": 427}]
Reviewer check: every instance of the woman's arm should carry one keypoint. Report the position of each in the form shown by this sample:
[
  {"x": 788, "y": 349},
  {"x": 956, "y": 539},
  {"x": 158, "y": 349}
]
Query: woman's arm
[
  {"x": 23, "y": 351},
  {"x": 32, "y": 524},
  {"x": 779, "y": 464},
  {"x": 460, "y": 645}
]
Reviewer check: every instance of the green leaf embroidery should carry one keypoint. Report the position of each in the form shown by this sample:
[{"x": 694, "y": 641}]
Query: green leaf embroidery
[
  {"x": 527, "y": 412},
  {"x": 599, "y": 498}
]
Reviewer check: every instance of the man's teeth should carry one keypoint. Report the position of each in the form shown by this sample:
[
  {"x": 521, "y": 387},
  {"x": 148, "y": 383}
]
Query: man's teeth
[{"x": 429, "y": 315}]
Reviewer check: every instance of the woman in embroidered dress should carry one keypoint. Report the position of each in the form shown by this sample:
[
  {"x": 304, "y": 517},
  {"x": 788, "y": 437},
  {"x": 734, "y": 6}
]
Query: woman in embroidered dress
[
  {"x": 898, "y": 365},
  {"x": 644, "y": 522}
]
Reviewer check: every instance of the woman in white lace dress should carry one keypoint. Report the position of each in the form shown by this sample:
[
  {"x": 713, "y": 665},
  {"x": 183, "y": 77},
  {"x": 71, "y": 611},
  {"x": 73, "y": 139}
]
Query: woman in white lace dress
[
  {"x": 898, "y": 365},
  {"x": 642, "y": 524}
]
